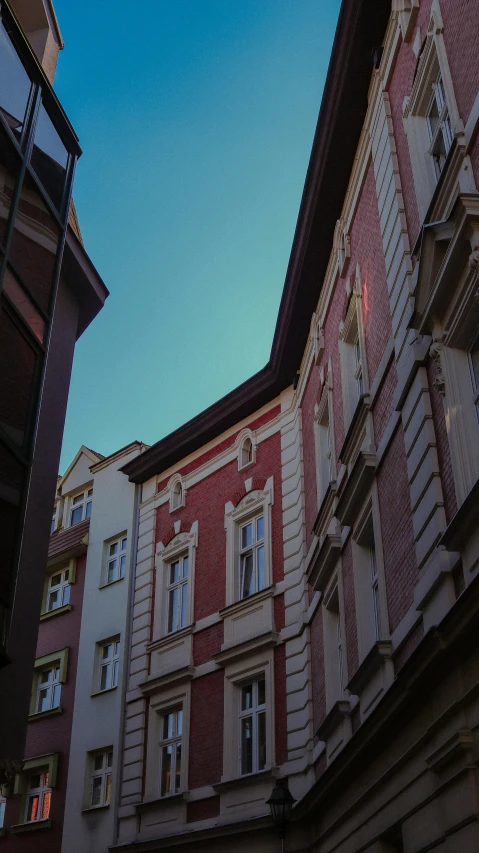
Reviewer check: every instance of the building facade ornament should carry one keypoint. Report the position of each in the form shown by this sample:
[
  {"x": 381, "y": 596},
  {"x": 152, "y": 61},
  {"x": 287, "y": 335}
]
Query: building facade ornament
[{"x": 439, "y": 381}]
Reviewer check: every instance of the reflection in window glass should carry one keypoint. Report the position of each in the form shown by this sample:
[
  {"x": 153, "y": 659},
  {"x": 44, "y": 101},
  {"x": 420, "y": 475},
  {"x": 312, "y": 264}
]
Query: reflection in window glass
[
  {"x": 24, "y": 305},
  {"x": 18, "y": 367},
  {"x": 9, "y": 168},
  {"x": 34, "y": 244},
  {"x": 14, "y": 84},
  {"x": 49, "y": 157}
]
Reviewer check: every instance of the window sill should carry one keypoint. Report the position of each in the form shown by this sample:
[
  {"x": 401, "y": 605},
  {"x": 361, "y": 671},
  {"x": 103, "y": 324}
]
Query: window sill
[
  {"x": 100, "y": 693},
  {"x": 172, "y": 637},
  {"x": 267, "y": 775},
  {"x": 57, "y": 612},
  {"x": 160, "y": 802},
  {"x": 248, "y": 465},
  {"x": 340, "y": 710},
  {"x": 89, "y": 809},
  {"x": 112, "y": 583},
  {"x": 40, "y": 715},
  {"x": 238, "y": 606},
  {"x": 379, "y": 653},
  {"x": 32, "y": 826}
]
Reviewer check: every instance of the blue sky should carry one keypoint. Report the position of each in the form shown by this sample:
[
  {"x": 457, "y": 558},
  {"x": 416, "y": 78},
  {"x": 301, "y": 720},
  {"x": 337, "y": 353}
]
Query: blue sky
[{"x": 196, "y": 119}]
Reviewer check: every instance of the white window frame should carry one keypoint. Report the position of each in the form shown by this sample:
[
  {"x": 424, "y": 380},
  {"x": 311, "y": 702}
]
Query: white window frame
[
  {"x": 167, "y": 742},
  {"x": 112, "y": 661},
  {"x": 256, "y": 710},
  {"x": 251, "y": 549},
  {"x": 352, "y": 351},
  {"x": 369, "y": 579},
  {"x": 171, "y": 697},
  {"x": 255, "y": 502},
  {"x": 41, "y": 791},
  {"x": 105, "y": 774},
  {"x": 240, "y": 672},
  {"x": 57, "y": 663},
  {"x": 246, "y": 449},
  {"x": 63, "y": 588},
  {"x": 325, "y": 449},
  {"x": 180, "y": 589},
  {"x": 119, "y": 558},
  {"x": 83, "y": 499},
  {"x": 432, "y": 66},
  {"x": 52, "y": 687},
  {"x": 183, "y": 544},
  {"x": 334, "y": 634}
]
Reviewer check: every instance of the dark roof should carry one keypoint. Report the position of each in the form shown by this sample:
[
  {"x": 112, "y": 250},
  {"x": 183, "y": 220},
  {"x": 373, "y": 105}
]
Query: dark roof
[
  {"x": 361, "y": 27},
  {"x": 69, "y": 542}
]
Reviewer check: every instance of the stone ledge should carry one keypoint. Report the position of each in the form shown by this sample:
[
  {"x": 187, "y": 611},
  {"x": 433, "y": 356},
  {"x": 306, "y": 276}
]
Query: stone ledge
[
  {"x": 31, "y": 826},
  {"x": 380, "y": 652},
  {"x": 356, "y": 486},
  {"x": 340, "y": 710},
  {"x": 268, "y": 775}
]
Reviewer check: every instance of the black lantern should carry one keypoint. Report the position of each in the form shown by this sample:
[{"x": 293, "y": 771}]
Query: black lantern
[{"x": 281, "y": 805}]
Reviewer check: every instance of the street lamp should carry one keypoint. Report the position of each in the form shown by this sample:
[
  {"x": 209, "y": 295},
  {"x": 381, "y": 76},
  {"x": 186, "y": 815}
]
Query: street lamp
[{"x": 281, "y": 805}]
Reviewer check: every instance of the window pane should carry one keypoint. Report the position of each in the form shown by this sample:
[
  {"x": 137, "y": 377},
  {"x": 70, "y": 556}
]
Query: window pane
[
  {"x": 179, "y": 722},
  {"x": 166, "y": 769},
  {"x": 247, "y": 745},
  {"x": 178, "y": 766},
  {"x": 18, "y": 369},
  {"x": 25, "y": 308},
  {"x": 66, "y": 594},
  {"x": 184, "y": 604},
  {"x": 123, "y": 544},
  {"x": 260, "y": 529},
  {"x": 185, "y": 567},
  {"x": 173, "y": 609},
  {"x": 107, "y": 650},
  {"x": 175, "y": 572},
  {"x": 14, "y": 84},
  {"x": 2, "y": 812},
  {"x": 55, "y": 580},
  {"x": 88, "y": 510},
  {"x": 261, "y": 740},
  {"x": 115, "y": 674},
  {"x": 49, "y": 157},
  {"x": 111, "y": 571},
  {"x": 46, "y": 804},
  {"x": 113, "y": 548},
  {"x": 98, "y": 762},
  {"x": 33, "y": 802},
  {"x": 109, "y": 759},
  {"x": 78, "y": 499},
  {"x": 56, "y": 696},
  {"x": 96, "y": 791},
  {"x": 105, "y": 676},
  {"x": 261, "y": 692},
  {"x": 108, "y": 789},
  {"x": 247, "y": 697},
  {"x": 433, "y": 117},
  {"x": 76, "y": 516},
  {"x": 53, "y": 601},
  {"x": 260, "y": 560},
  {"x": 246, "y": 535},
  {"x": 168, "y": 726},
  {"x": 247, "y": 579},
  {"x": 35, "y": 781},
  {"x": 43, "y": 700},
  {"x": 121, "y": 573}
]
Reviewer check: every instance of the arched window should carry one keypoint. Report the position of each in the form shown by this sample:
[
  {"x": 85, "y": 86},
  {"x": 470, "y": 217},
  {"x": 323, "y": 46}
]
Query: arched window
[
  {"x": 177, "y": 495},
  {"x": 246, "y": 452}
]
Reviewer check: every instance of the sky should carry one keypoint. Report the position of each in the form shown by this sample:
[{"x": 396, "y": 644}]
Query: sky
[{"x": 196, "y": 120}]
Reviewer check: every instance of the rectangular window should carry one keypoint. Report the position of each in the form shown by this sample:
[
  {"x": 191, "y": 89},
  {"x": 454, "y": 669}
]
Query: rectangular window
[
  {"x": 324, "y": 445},
  {"x": 116, "y": 560},
  {"x": 100, "y": 786},
  {"x": 81, "y": 507},
  {"x": 252, "y": 721},
  {"x": 170, "y": 752},
  {"x": 48, "y": 689},
  {"x": 39, "y": 795},
  {"x": 109, "y": 664},
  {"x": 58, "y": 593},
  {"x": 177, "y": 594},
  {"x": 333, "y": 646},
  {"x": 251, "y": 557},
  {"x": 439, "y": 126}
]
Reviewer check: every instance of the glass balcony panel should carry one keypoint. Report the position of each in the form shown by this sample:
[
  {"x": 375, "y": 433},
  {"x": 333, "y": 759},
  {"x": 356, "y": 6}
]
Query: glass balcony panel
[
  {"x": 18, "y": 369},
  {"x": 34, "y": 244},
  {"x": 15, "y": 85},
  {"x": 9, "y": 168},
  {"x": 24, "y": 305},
  {"x": 49, "y": 157}
]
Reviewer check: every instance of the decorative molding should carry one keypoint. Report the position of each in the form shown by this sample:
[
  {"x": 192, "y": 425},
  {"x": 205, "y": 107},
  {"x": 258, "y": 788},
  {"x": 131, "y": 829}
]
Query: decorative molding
[
  {"x": 341, "y": 246},
  {"x": 439, "y": 381}
]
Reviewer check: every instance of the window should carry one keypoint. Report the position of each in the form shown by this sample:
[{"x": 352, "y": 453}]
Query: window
[
  {"x": 251, "y": 557},
  {"x": 54, "y": 519},
  {"x": 49, "y": 674},
  {"x": 109, "y": 664},
  {"x": 177, "y": 594},
  {"x": 246, "y": 453},
  {"x": 333, "y": 645},
  {"x": 170, "y": 752},
  {"x": 252, "y": 722},
  {"x": 352, "y": 353},
  {"x": 439, "y": 126},
  {"x": 374, "y": 590},
  {"x": 369, "y": 584},
  {"x": 48, "y": 689},
  {"x": 81, "y": 507},
  {"x": 100, "y": 784},
  {"x": 39, "y": 795},
  {"x": 58, "y": 593},
  {"x": 3, "y": 803},
  {"x": 116, "y": 559},
  {"x": 177, "y": 492},
  {"x": 473, "y": 356},
  {"x": 324, "y": 441}
]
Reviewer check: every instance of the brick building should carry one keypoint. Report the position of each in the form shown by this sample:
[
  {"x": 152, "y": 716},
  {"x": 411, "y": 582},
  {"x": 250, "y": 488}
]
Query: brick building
[{"x": 306, "y": 588}]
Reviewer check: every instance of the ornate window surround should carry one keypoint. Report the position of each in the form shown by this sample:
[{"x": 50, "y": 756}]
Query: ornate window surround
[
  {"x": 177, "y": 492},
  {"x": 164, "y": 700},
  {"x": 323, "y": 410},
  {"x": 351, "y": 329},
  {"x": 183, "y": 543},
  {"x": 253, "y": 502},
  {"x": 245, "y": 435}
]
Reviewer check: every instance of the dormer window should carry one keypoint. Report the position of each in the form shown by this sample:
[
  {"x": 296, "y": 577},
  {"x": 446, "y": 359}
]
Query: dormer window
[{"x": 81, "y": 507}]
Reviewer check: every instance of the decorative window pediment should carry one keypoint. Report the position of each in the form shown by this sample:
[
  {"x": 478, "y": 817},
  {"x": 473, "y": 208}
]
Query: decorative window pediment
[{"x": 406, "y": 11}]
